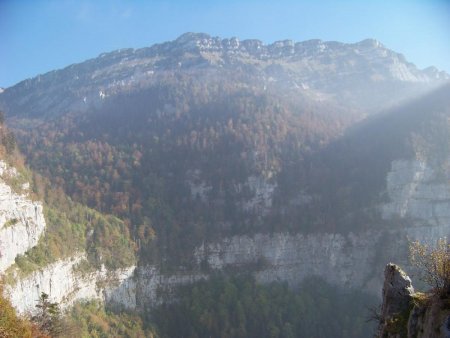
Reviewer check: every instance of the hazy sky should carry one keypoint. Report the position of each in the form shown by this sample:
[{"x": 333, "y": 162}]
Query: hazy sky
[{"x": 37, "y": 36}]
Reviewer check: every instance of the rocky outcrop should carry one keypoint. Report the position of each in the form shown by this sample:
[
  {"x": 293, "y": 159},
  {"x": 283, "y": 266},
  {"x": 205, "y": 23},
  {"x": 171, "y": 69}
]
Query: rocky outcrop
[
  {"x": 21, "y": 220},
  {"x": 65, "y": 283},
  {"x": 154, "y": 286},
  {"x": 149, "y": 287},
  {"x": 397, "y": 291},
  {"x": 397, "y": 302},
  {"x": 405, "y": 313}
]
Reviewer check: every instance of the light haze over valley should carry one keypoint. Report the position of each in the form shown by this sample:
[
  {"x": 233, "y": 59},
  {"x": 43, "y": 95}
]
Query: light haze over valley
[{"x": 239, "y": 169}]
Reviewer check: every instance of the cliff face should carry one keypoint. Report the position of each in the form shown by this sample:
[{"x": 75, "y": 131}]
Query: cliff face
[
  {"x": 21, "y": 220},
  {"x": 353, "y": 260},
  {"x": 22, "y": 224},
  {"x": 417, "y": 192},
  {"x": 65, "y": 283},
  {"x": 282, "y": 256},
  {"x": 397, "y": 300}
]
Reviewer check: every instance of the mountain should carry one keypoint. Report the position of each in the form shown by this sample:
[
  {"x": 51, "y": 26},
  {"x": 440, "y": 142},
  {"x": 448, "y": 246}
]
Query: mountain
[
  {"x": 287, "y": 160},
  {"x": 325, "y": 71}
]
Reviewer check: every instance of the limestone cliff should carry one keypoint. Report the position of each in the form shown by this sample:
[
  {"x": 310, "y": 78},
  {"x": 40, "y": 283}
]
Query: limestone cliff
[
  {"x": 22, "y": 224},
  {"x": 21, "y": 220},
  {"x": 416, "y": 192},
  {"x": 65, "y": 283},
  {"x": 353, "y": 260}
]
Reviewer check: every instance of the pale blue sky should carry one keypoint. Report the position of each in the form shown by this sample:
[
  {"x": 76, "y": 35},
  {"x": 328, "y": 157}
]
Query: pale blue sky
[{"x": 37, "y": 36}]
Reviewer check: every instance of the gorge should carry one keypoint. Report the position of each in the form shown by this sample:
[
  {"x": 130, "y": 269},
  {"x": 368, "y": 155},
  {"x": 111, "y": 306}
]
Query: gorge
[{"x": 204, "y": 155}]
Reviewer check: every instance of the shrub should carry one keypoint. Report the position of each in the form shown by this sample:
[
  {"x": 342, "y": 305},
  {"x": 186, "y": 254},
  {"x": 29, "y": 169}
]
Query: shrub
[
  {"x": 434, "y": 264},
  {"x": 11, "y": 325}
]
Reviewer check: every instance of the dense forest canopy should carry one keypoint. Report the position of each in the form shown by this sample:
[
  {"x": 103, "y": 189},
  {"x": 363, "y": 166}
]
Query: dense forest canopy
[
  {"x": 139, "y": 154},
  {"x": 239, "y": 307}
]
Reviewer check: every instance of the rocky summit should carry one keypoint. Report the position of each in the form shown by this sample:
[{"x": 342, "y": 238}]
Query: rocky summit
[{"x": 324, "y": 70}]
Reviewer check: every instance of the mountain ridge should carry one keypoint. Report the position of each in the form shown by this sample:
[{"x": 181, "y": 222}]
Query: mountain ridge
[
  {"x": 324, "y": 71},
  {"x": 206, "y": 41}
]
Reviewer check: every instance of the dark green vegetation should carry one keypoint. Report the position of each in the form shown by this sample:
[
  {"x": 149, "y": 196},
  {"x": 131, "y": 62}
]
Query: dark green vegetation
[
  {"x": 91, "y": 320},
  {"x": 221, "y": 307},
  {"x": 48, "y": 317},
  {"x": 239, "y": 307}
]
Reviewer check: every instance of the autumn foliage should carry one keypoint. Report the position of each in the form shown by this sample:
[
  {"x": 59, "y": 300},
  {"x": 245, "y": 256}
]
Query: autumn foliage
[{"x": 434, "y": 264}]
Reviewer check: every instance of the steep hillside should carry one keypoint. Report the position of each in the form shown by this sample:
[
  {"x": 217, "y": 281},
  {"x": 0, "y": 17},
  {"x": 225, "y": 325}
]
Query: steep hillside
[
  {"x": 50, "y": 244},
  {"x": 201, "y": 138}
]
